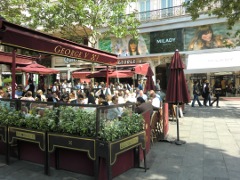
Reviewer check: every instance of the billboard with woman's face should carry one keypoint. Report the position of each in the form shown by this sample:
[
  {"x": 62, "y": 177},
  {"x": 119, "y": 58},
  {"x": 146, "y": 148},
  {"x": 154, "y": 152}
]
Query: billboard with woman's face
[
  {"x": 209, "y": 36},
  {"x": 187, "y": 39},
  {"x": 127, "y": 46}
]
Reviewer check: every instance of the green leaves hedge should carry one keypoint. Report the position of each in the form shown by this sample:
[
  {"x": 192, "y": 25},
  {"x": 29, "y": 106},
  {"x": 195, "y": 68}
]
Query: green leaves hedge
[{"x": 75, "y": 121}]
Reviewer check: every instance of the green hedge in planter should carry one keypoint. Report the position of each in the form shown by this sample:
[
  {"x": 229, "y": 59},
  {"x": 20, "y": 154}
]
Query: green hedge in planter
[
  {"x": 130, "y": 123},
  {"x": 9, "y": 116},
  {"x": 75, "y": 121}
]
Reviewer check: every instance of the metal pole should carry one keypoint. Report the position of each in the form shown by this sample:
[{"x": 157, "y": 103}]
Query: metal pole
[
  {"x": 13, "y": 73},
  {"x": 178, "y": 141}
]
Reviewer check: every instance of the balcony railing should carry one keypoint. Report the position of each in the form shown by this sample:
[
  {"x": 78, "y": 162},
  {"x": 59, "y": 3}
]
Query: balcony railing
[
  {"x": 170, "y": 12},
  {"x": 161, "y": 13}
]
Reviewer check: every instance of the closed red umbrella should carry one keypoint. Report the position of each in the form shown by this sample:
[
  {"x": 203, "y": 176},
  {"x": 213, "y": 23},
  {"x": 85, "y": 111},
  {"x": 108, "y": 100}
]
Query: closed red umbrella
[
  {"x": 177, "y": 91},
  {"x": 149, "y": 82}
]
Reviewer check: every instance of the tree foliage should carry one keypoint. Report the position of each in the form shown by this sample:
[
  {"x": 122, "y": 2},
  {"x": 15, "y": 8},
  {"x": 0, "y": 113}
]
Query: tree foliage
[{"x": 73, "y": 19}]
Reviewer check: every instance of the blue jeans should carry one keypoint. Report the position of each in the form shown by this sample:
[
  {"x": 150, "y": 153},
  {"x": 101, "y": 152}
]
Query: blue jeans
[{"x": 195, "y": 98}]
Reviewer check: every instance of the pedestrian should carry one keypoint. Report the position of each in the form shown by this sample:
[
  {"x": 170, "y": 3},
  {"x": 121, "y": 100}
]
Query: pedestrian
[
  {"x": 196, "y": 93},
  {"x": 217, "y": 91},
  {"x": 207, "y": 94}
]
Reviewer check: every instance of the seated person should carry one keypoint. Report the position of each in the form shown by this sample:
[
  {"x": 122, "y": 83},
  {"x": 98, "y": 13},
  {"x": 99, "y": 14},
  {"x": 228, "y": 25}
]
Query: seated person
[
  {"x": 143, "y": 106},
  {"x": 40, "y": 96},
  {"x": 156, "y": 102},
  {"x": 28, "y": 96},
  {"x": 141, "y": 94},
  {"x": 64, "y": 98},
  {"x": 102, "y": 100},
  {"x": 19, "y": 92},
  {"x": 90, "y": 97},
  {"x": 79, "y": 100},
  {"x": 54, "y": 98},
  {"x": 116, "y": 112}
]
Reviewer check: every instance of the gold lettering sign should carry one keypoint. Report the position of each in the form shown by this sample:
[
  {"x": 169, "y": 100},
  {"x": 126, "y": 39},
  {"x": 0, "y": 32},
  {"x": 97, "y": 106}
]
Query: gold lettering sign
[
  {"x": 25, "y": 135},
  {"x": 77, "y": 54},
  {"x": 128, "y": 143}
]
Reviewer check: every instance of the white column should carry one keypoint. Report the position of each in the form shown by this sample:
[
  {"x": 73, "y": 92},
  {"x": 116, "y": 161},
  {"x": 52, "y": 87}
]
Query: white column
[{"x": 68, "y": 72}]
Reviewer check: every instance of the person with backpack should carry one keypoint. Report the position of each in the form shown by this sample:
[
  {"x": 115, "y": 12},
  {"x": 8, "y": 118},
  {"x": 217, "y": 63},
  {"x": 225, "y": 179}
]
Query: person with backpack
[
  {"x": 207, "y": 94},
  {"x": 217, "y": 89}
]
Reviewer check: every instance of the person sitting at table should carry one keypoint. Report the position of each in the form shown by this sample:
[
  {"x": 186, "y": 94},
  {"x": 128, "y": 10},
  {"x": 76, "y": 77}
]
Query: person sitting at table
[
  {"x": 155, "y": 100},
  {"x": 79, "y": 100},
  {"x": 116, "y": 112},
  {"x": 102, "y": 100},
  {"x": 64, "y": 98},
  {"x": 143, "y": 106},
  {"x": 2, "y": 93},
  {"x": 141, "y": 94},
  {"x": 54, "y": 97},
  {"x": 28, "y": 96},
  {"x": 19, "y": 92},
  {"x": 40, "y": 96},
  {"x": 90, "y": 97}
]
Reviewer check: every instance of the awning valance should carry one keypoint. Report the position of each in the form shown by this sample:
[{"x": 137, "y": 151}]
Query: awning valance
[
  {"x": 213, "y": 62},
  {"x": 6, "y": 58},
  {"x": 81, "y": 75},
  {"x": 21, "y": 37}
]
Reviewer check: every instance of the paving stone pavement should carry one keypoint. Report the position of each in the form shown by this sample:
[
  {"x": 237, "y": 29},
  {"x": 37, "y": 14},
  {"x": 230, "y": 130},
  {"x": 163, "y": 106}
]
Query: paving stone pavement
[{"x": 211, "y": 152}]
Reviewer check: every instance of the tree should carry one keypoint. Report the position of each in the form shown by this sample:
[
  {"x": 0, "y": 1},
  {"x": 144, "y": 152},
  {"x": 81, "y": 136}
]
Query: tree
[
  {"x": 229, "y": 9},
  {"x": 74, "y": 19}
]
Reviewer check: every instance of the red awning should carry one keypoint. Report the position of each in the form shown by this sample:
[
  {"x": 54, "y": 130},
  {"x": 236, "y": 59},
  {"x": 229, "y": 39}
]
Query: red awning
[
  {"x": 21, "y": 37},
  {"x": 81, "y": 75},
  {"x": 37, "y": 69},
  {"x": 112, "y": 74},
  {"x": 6, "y": 58},
  {"x": 142, "y": 69}
]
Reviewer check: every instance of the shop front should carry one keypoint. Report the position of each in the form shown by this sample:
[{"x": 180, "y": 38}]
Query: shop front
[{"x": 222, "y": 67}]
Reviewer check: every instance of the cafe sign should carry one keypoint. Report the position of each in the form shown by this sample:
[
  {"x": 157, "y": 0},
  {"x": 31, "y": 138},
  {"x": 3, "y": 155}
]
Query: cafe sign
[
  {"x": 69, "y": 60},
  {"x": 23, "y": 38}
]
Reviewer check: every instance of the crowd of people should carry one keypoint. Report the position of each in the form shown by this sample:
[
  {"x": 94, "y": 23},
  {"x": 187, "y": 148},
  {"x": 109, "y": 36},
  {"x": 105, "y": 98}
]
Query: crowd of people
[
  {"x": 89, "y": 93},
  {"x": 207, "y": 92}
]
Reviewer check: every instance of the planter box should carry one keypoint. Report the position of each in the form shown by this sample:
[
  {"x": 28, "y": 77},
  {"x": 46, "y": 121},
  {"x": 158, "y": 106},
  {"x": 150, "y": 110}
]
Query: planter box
[
  {"x": 3, "y": 142},
  {"x": 32, "y": 145},
  {"x": 110, "y": 151},
  {"x": 73, "y": 153},
  {"x": 3, "y": 133}
]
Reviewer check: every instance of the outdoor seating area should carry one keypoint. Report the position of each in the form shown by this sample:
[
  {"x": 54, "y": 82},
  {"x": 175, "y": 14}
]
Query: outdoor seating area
[{"x": 38, "y": 137}]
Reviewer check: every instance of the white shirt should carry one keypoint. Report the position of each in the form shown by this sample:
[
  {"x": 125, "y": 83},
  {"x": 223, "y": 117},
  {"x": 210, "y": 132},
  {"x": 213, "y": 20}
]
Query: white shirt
[{"x": 156, "y": 102}]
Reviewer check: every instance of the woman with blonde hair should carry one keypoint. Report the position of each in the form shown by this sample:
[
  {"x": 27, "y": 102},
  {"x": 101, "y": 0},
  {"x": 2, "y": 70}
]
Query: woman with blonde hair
[{"x": 40, "y": 96}]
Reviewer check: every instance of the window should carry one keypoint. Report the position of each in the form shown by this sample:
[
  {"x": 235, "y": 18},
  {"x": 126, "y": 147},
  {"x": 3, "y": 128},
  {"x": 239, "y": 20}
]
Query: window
[
  {"x": 144, "y": 9},
  {"x": 166, "y": 6}
]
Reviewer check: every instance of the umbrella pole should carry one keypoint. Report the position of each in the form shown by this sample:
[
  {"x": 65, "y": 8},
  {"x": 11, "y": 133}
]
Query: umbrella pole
[{"x": 178, "y": 141}]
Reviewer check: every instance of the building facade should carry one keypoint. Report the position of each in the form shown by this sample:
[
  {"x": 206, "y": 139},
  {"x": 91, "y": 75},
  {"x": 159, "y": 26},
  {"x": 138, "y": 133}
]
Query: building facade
[{"x": 165, "y": 27}]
